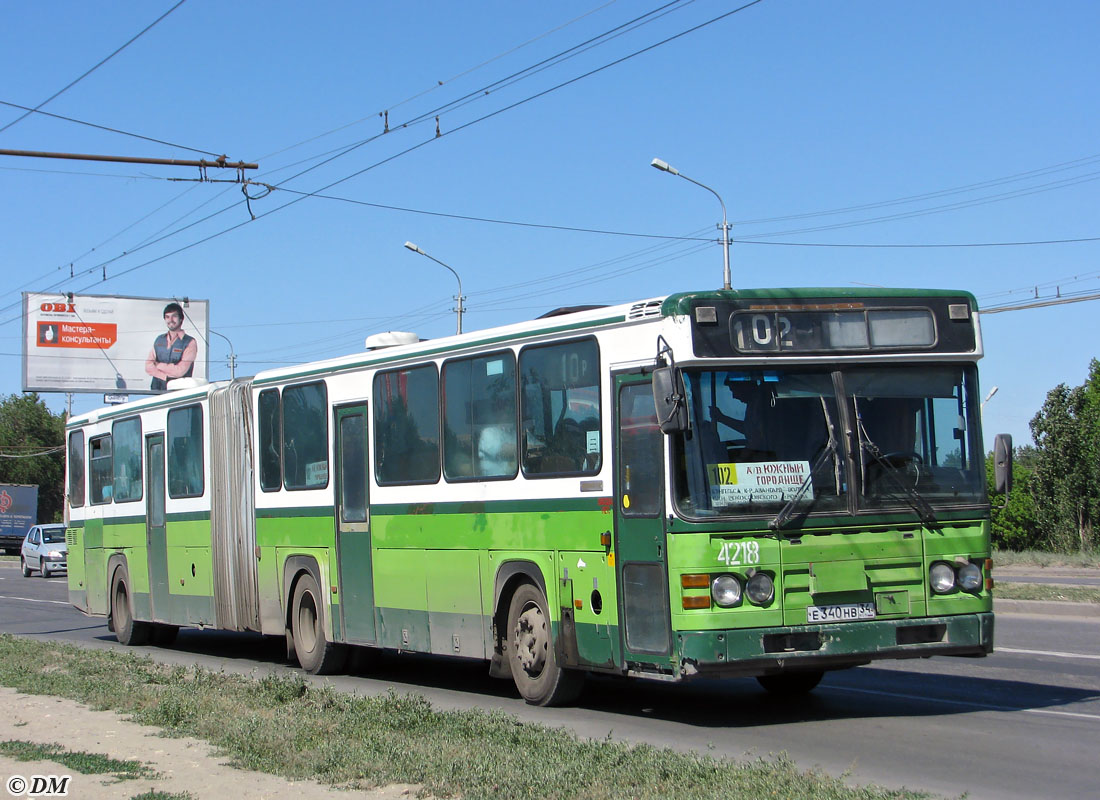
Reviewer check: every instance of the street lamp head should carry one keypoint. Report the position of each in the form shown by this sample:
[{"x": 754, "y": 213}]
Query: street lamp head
[
  {"x": 414, "y": 248},
  {"x": 664, "y": 166}
]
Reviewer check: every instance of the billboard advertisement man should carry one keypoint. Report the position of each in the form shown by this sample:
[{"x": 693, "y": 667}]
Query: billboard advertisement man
[{"x": 173, "y": 353}]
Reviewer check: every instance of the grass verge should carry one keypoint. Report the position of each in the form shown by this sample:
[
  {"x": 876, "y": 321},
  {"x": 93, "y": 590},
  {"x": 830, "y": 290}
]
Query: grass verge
[
  {"x": 1038, "y": 558},
  {"x": 1046, "y": 591},
  {"x": 285, "y": 726},
  {"x": 77, "y": 760}
]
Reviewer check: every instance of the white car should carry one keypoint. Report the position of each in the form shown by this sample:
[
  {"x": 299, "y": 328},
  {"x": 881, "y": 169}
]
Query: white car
[{"x": 44, "y": 550}]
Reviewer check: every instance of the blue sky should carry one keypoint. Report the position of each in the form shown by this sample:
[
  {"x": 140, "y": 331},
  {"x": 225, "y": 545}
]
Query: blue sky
[{"x": 979, "y": 117}]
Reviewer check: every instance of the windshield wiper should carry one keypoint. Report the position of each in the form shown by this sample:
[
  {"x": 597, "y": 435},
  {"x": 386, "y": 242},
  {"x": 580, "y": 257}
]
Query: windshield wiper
[
  {"x": 914, "y": 498},
  {"x": 788, "y": 509},
  {"x": 829, "y": 450}
]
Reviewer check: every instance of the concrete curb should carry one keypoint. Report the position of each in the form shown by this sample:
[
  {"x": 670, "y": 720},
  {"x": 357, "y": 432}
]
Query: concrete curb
[{"x": 1047, "y": 608}]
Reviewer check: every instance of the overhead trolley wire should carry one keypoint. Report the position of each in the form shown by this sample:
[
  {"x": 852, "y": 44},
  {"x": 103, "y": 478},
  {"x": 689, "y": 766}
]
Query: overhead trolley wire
[
  {"x": 440, "y": 84},
  {"x": 406, "y": 151},
  {"x": 554, "y": 60},
  {"x": 1019, "y": 176},
  {"x": 111, "y": 130},
  {"x": 343, "y": 150},
  {"x": 73, "y": 83},
  {"x": 980, "y": 201}
]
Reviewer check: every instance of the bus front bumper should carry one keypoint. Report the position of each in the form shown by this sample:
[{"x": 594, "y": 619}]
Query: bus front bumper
[{"x": 763, "y": 651}]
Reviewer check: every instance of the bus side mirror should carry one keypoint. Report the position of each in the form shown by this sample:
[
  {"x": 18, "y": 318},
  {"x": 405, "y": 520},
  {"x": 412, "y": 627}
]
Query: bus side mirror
[
  {"x": 1002, "y": 463},
  {"x": 668, "y": 398}
]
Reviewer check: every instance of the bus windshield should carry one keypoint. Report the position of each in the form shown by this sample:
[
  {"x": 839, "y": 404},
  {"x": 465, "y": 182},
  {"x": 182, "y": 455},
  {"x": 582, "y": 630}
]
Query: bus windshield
[
  {"x": 768, "y": 441},
  {"x": 918, "y": 431}
]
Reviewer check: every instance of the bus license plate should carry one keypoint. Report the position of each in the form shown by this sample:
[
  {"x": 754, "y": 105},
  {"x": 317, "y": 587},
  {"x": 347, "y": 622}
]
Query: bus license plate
[{"x": 844, "y": 613}]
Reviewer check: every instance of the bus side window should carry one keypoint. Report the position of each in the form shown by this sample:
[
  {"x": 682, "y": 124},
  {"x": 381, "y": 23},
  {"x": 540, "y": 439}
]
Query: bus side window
[
  {"x": 305, "y": 436},
  {"x": 126, "y": 438},
  {"x": 406, "y": 425},
  {"x": 560, "y": 391},
  {"x": 185, "y": 452},
  {"x": 271, "y": 441},
  {"x": 76, "y": 469},
  {"x": 479, "y": 417},
  {"x": 101, "y": 469}
]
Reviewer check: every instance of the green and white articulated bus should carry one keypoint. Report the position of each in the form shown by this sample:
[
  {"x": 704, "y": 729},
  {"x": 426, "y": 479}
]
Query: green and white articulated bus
[{"x": 765, "y": 483}]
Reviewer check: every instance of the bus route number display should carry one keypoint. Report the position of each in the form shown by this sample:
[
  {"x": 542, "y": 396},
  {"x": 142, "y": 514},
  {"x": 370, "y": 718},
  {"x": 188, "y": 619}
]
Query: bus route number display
[
  {"x": 817, "y": 330},
  {"x": 758, "y": 482}
]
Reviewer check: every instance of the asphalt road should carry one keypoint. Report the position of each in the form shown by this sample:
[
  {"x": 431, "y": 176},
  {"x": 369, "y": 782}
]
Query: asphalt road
[{"x": 1022, "y": 723}]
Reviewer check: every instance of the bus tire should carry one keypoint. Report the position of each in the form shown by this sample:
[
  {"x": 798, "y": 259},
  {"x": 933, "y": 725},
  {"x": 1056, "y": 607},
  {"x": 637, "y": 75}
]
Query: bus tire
[
  {"x": 791, "y": 684},
  {"x": 535, "y": 670},
  {"x": 315, "y": 653},
  {"x": 128, "y": 631}
]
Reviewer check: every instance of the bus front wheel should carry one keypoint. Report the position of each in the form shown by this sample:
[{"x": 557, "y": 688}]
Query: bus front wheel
[
  {"x": 128, "y": 630},
  {"x": 535, "y": 668},
  {"x": 316, "y": 654}
]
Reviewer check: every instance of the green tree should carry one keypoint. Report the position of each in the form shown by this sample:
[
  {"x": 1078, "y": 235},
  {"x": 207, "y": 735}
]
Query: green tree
[
  {"x": 1013, "y": 518},
  {"x": 1065, "y": 486},
  {"x": 28, "y": 428}
]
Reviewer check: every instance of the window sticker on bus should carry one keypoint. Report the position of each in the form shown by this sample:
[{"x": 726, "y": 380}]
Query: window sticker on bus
[
  {"x": 758, "y": 482},
  {"x": 494, "y": 367},
  {"x": 317, "y": 473},
  {"x": 593, "y": 441}
]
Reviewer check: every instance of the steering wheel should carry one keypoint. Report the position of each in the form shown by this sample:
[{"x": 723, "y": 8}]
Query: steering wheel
[{"x": 910, "y": 461}]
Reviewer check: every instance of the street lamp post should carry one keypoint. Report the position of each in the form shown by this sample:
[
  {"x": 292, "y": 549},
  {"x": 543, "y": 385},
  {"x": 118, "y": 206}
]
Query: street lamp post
[
  {"x": 664, "y": 166},
  {"x": 232, "y": 356},
  {"x": 459, "y": 310},
  {"x": 988, "y": 397}
]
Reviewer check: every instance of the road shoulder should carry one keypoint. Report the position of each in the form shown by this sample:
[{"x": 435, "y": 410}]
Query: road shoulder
[{"x": 182, "y": 764}]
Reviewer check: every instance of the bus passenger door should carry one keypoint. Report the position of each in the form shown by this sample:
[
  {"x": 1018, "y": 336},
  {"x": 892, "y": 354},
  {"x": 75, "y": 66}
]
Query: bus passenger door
[
  {"x": 352, "y": 511},
  {"x": 155, "y": 538},
  {"x": 639, "y": 524}
]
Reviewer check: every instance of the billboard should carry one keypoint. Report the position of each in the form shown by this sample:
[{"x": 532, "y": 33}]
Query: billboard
[
  {"x": 18, "y": 511},
  {"x": 92, "y": 343}
]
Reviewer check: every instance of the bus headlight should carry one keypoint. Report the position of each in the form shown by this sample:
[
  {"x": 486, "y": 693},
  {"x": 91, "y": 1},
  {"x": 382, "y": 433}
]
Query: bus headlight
[
  {"x": 726, "y": 591},
  {"x": 942, "y": 578},
  {"x": 760, "y": 589},
  {"x": 970, "y": 578}
]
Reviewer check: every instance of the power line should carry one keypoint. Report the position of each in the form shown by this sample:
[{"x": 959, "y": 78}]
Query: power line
[
  {"x": 554, "y": 60},
  {"x": 920, "y": 246},
  {"x": 60, "y": 92},
  {"x": 470, "y": 218},
  {"x": 1060, "y": 184},
  {"x": 1061, "y": 167},
  {"x": 440, "y": 84},
  {"x": 84, "y": 174},
  {"x": 635, "y": 234},
  {"x": 1054, "y": 301},
  {"x": 51, "y": 451},
  {"x": 1034, "y": 288},
  {"x": 106, "y": 128},
  {"x": 340, "y": 151},
  {"x": 415, "y": 147}
]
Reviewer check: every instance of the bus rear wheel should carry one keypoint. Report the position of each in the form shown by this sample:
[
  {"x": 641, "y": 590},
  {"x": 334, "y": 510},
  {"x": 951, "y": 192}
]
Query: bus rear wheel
[
  {"x": 316, "y": 654},
  {"x": 535, "y": 670},
  {"x": 128, "y": 631},
  {"x": 791, "y": 684}
]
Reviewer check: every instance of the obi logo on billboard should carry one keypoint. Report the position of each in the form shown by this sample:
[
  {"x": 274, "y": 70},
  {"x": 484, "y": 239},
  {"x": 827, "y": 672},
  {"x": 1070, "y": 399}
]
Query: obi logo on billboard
[{"x": 92, "y": 343}]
